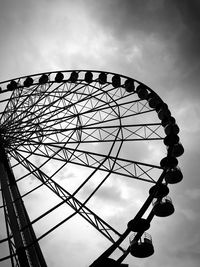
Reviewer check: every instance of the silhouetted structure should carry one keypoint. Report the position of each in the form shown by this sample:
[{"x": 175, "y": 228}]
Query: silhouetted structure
[{"x": 61, "y": 116}]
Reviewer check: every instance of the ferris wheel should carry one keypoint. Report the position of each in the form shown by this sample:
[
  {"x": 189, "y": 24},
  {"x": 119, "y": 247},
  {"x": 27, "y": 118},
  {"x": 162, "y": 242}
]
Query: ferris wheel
[{"x": 95, "y": 123}]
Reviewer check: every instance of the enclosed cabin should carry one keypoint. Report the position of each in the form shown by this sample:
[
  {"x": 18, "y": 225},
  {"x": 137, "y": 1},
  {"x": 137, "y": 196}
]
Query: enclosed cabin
[
  {"x": 173, "y": 175},
  {"x": 162, "y": 204},
  {"x": 143, "y": 247},
  {"x": 88, "y": 77},
  {"x": 59, "y": 77},
  {"x": 43, "y": 79},
  {"x": 163, "y": 207}
]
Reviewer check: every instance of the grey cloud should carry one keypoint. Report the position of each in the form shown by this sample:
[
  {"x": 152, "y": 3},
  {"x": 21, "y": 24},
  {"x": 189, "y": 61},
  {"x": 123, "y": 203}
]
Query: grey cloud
[
  {"x": 124, "y": 17},
  {"x": 112, "y": 194},
  {"x": 169, "y": 19},
  {"x": 195, "y": 256},
  {"x": 189, "y": 250},
  {"x": 175, "y": 23}
]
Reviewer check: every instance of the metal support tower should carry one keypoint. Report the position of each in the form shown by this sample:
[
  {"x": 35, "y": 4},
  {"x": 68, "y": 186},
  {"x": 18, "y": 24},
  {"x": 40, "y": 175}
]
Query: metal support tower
[{"x": 28, "y": 250}]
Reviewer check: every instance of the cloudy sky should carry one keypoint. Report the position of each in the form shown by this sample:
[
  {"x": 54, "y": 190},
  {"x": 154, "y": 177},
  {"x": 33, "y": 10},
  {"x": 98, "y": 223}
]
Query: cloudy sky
[{"x": 154, "y": 41}]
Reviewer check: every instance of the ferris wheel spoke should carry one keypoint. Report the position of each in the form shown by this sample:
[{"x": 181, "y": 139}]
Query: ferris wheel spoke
[
  {"x": 105, "y": 116},
  {"x": 107, "y": 133},
  {"x": 87, "y": 97},
  {"x": 26, "y": 104},
  {"x": 140, "y": 132},
  {"x": 12, "y": 107},
  {"x": 83, "y": 85},
  {"x": 130, "y": 132},
  {"x": 103, "y": 227},
  {"x": 89, "y": 134},
  {"x": 123, "y": 167},
  {"x": 82, "y": 114},
  {"x": 11, "y": 98},
  {"x": 131, "y": 107},
  {"x": 36, "y": 105},
  {"x": 26, "y": 118}
]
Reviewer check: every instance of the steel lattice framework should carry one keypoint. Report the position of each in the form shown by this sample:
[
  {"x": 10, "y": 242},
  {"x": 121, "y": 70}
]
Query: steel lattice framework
[{"x": 80, "y": 119}]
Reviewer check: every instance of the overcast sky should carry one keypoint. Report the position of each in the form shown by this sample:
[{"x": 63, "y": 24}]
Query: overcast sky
[{"x": 154, "y": 41}]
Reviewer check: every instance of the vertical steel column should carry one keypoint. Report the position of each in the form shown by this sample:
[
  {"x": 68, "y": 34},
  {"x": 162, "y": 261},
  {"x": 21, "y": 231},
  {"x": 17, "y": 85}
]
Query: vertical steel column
[{"x": 27, "y": 247}]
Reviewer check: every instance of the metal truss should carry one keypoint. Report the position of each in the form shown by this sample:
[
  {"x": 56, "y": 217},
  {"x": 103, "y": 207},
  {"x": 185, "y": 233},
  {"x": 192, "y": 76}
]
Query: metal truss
[{"x": 80, "y": 208}]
